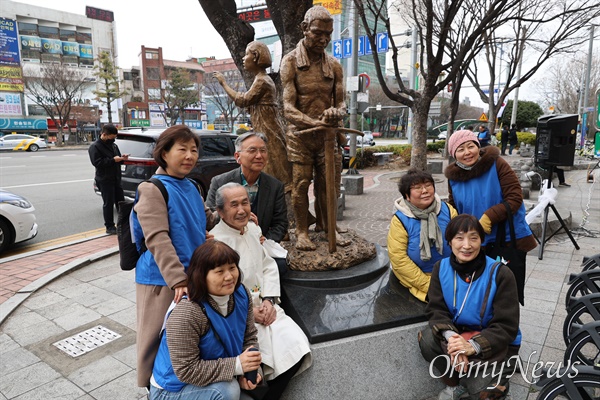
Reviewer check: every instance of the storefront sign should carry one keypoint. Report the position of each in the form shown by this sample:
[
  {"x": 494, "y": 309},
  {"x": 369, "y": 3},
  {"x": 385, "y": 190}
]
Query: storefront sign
[
  {"x": 51, "y": 46},
  {"x": 9, "y": 43},
  {"x": 23, "y": 124},
  {"x": 10, "y": 104},
  {"x": 86, "y": 51},
  {"x": 32, "y": 43},
  {"x": 70, "y": 49},
  {"x": 139, "y": 122}
]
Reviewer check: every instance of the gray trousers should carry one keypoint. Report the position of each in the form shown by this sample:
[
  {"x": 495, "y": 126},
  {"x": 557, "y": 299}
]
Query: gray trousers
[{"x": 478, "y": 377}]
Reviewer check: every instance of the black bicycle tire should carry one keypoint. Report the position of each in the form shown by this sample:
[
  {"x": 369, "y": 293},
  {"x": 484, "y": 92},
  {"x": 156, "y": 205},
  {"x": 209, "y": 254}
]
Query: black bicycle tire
[
  {"x": 576, "y": 288},
  {"x": 589, "y": 264},
  {"x": 577, "y": 343},
  {"x": 551, "y": 389},
  {"x": 576, "y": 312}
]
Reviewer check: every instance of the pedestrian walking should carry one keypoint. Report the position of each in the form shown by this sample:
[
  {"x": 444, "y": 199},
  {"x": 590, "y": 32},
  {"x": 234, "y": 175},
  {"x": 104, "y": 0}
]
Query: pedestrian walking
[
  {"x": 106, "y": 157},
  {"x": 504, "y": 139}
]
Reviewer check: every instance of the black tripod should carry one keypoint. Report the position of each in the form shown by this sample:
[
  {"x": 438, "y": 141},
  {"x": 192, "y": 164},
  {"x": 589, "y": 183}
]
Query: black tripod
[{"x": 545, "y": 221}]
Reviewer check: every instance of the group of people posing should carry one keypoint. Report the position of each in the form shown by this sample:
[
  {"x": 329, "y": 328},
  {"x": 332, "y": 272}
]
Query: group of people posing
[
  {"x": 207, "y": 291},
  {"x": 437, "y": 251}
]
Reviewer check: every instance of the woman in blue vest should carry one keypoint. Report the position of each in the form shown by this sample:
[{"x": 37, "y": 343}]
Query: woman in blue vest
[
  {"x": 479, "y": 182},
  {"x": 206, "y": 337},
  {"x": 416, "y": 236},
  {"x": 172, "y": 232},
  {"x": 473, "y": 314}
]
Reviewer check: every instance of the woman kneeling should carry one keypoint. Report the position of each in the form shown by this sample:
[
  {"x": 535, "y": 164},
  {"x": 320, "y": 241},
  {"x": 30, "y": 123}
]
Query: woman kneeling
[
  {"x": 205, "y": 342},
  {"x": 473, "y": 314}
]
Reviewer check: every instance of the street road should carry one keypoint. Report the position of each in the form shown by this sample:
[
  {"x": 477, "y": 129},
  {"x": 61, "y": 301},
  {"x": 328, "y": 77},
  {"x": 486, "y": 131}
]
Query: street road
[{"x": 59, "y": 185}]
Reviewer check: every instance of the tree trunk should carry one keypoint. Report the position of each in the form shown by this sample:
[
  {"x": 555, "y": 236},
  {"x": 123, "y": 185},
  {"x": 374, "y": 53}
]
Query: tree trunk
[{"x": 418, "y": 153}]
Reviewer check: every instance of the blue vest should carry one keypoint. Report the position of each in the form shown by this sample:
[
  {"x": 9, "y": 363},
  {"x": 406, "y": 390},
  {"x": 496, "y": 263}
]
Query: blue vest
[
  {"x": 454, "y": 290},
  {"x": 413, "y": 229},
  {"x": 477, "y": 195},
  {"x": 224, "y": 339},
  {"x": 187, "y": 228}
]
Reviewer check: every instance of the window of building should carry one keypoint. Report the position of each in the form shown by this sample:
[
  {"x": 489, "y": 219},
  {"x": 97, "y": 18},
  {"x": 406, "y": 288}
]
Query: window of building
[
  {"x": 191, "y": 116},
  {"x": 153, "y": 94},
  {"x": 31, "y": 55},
  {"x": 74, "y": 60},
  {"x": 151, "y": 55},
  {"x": 34, "y": 109},
  {"x": 68, "y": 35},
  {"x": 51, "y": 58},
  {"x": 48, "y": 32},
  {"x": 153, "y": 74},
  {"x": 26, "y": 28},
  {"x": 84, "y": 37},
  {"x": 86, "y": 62},
  {"x": 127, "y": 76}
]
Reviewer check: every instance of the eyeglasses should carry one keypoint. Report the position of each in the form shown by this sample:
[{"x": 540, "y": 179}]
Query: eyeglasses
[
  {"x": 419, "y": 188},
  {"x": 253, "y": 150}
]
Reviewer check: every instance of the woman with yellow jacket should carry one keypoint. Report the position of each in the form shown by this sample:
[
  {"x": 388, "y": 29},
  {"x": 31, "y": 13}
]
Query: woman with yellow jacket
[{"x": 416, "y": 236}]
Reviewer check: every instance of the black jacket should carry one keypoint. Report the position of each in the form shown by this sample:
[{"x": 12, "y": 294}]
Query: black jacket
[{"x": 102, "y": 157}]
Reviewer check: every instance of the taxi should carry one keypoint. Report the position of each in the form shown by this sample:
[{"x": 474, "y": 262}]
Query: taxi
[{"x": 22, "y": 142}]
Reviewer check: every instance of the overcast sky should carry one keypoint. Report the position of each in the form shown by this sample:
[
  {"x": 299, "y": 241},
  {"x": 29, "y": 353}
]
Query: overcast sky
[{"x": 180, "y": 27}]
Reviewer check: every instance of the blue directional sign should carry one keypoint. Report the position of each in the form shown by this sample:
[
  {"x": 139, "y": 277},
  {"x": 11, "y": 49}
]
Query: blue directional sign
[
  {"x": 382, "y": 42},
  {"x": 368, "y": 48},
  {"x": 337, "y": 48},
  {"x": 361, "y": 45},
  {"x": 347, "y": 48}
]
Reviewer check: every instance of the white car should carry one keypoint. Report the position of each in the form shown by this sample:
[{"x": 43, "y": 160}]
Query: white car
[
  {"x": 22, "y": 142},
  {"x": 17, "y": 220}
]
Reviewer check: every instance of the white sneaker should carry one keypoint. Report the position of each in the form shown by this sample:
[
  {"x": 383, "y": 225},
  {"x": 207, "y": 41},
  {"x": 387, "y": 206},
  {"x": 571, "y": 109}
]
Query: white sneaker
[{"x": 453, "y": 393}]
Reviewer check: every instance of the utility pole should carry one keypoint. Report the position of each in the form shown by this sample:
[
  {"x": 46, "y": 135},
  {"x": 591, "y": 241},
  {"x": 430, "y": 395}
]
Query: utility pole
[
  {"x": 587, "y": 87},
  {"x": 353, "y": 73}
]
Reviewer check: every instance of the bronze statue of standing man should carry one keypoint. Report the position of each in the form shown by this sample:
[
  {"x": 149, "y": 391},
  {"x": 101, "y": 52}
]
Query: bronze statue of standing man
[{"x": 313, "y": 96}]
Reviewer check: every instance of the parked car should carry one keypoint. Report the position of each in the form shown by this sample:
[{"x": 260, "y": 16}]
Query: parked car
[
  {"x": 17, "y": 220},
  {"x": 367, "y": 139},
  {"x": 22, "y": 142},
  {"x": 215, "y": 157},
  {"x": 440, "y": 132}
]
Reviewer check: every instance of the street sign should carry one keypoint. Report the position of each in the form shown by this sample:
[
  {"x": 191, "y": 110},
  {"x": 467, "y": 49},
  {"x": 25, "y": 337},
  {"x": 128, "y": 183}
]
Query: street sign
[
  {"x": 368, "y": 48},
  {"x": 347, "y": 48},
  {"x": 382, "y": 42},
  {"x": 361, "y": 45},
  {"x": 337, "y": 48},
  {"x": 483, "y": 117}
]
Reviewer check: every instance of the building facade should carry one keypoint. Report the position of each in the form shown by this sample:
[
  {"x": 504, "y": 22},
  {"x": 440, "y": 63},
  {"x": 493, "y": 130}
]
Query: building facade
[{"x": 39, "y": 36}]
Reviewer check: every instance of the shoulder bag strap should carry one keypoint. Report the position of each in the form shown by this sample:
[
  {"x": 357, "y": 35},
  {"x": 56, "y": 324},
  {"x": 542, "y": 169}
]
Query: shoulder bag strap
[
  {"x": 487, "y": 293},
  {"x": 511, "y": 224}
]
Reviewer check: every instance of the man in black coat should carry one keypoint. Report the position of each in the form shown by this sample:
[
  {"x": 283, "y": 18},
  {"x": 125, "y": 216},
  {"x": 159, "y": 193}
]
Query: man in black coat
[
  {"x": 106, "y": 157},
  {"x": 504, "y": 139},
  {"x": 266, "y": 192}
]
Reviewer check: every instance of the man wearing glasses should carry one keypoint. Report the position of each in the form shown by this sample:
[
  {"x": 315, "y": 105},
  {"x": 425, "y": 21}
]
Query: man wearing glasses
[{"x": 266, "y": 193}]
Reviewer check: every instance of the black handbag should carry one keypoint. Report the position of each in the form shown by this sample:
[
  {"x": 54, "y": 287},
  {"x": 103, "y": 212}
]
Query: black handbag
[{"x": 508, "y": 253}]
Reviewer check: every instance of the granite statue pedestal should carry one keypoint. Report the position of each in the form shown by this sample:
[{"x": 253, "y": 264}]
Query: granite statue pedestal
[{"x": 362, "y": 326}]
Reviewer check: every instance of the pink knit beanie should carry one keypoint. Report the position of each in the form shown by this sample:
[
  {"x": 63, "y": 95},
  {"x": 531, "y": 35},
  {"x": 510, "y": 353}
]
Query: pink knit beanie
[{"x": 460, "y": 137}]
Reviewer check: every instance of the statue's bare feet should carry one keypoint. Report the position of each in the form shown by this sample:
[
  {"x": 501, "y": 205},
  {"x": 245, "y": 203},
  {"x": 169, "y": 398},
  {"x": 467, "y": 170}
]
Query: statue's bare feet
[
  {"x": 304, "y": 243},
  {"x": 318, "y": 228},
  {"x": 340, "y": 240}
]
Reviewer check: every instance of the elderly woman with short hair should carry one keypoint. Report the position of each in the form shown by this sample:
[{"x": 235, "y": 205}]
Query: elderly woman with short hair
[{"x": 416, "y": 235}]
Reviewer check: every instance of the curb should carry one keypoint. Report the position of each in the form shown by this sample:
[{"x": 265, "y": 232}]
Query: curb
[{"x": 23, "y": 294}]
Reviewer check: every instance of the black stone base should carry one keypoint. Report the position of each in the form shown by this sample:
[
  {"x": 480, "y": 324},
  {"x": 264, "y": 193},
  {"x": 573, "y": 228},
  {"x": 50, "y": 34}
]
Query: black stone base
[{"x": 333, "y": 305}]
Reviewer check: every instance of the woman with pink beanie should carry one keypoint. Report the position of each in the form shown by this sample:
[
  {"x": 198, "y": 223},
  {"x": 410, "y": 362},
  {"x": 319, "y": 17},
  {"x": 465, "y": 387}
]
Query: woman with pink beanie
[{"x": 479, "y": 182}]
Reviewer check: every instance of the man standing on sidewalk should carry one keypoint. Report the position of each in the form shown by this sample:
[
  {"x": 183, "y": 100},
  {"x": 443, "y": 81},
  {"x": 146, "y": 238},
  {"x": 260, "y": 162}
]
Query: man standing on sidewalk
[{"x": 106, "y": 157}]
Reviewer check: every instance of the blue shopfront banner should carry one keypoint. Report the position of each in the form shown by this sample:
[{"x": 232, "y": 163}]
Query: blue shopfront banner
[
  {"x": 9, "y": 43},
  {"x": 51, "y": 46},
  {"x": 70, "y": 48},
  {"x": 22, "y": 123},
  {"x": 31, "y": 43},
  {"x": 86, "y": 51}
]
